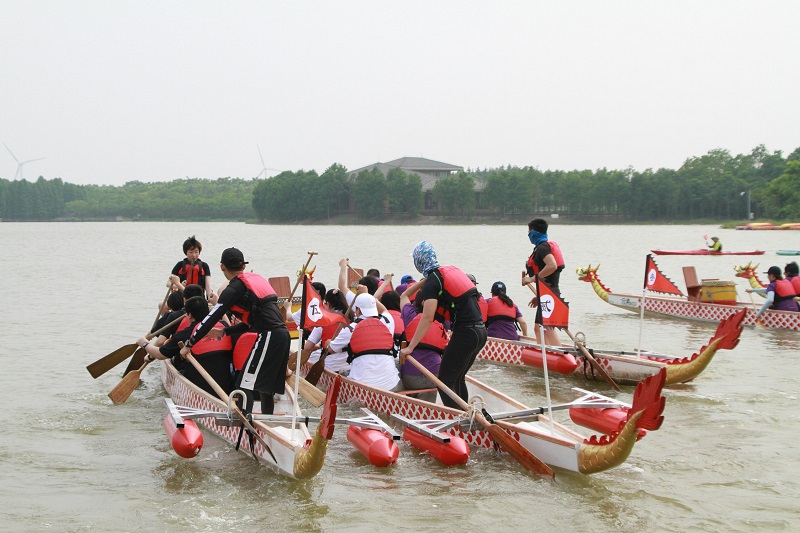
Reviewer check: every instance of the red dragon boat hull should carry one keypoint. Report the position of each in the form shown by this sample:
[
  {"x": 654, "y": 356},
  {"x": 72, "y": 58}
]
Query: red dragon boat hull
[{"x": 705, "y": 252}]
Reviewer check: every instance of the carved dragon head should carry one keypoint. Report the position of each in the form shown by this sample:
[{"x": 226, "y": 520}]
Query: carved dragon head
[
  {"x": 745, "y": 271},
  {"x": 587, "y": 274}
]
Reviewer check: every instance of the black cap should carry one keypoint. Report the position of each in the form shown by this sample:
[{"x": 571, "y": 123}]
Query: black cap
[
  {"x": 498, "y": 287},
  {"x": 233, "y": 258},
  {"x": 775, "y": 271}
]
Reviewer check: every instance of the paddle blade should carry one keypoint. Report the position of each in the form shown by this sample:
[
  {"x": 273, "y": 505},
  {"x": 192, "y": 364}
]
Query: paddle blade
[
  {"x": 124, "y": 388},
  {"x": 316, "y": 370},
  {"x": 313, "y": 395},
  {"x": 519, "y": 452},
  {"x": 136, "y": 361},
  {"x": 104, "y": 364}
]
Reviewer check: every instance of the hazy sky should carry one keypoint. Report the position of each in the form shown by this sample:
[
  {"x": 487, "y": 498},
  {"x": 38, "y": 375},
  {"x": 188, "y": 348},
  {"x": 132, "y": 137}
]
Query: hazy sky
[{"x": 113, "y": 91}]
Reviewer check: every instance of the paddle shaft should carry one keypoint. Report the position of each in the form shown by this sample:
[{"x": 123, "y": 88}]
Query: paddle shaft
[
  {"x": 161, "y": 307},
  {"x": 302, "y": 273},
  {"x": 587, "y": 354},
  {"x": 106, "y": 363},
  {"x": 317, "y": 368},
  {"x": 524, "y": 456},
  {"x": 224, "y": 397}
]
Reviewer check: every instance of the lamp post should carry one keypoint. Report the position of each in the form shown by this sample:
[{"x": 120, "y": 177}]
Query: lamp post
[{"x": 748, "y": 202}]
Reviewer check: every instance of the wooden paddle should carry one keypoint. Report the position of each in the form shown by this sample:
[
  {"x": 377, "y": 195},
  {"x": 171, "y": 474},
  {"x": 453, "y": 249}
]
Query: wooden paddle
[
  {"x": 759, "y": 324},
  {"x": 302, "y": 273},
  {"x": 224, "y": 397},
  {"x": 124, "y": 388},
  {"x": 318, "y": 367},
  {"x": 313, "y": 395},
  {"x": 587, "y": 354},
  {"x": 104, "y": 364},
  {"x": 519, "y": 452}
]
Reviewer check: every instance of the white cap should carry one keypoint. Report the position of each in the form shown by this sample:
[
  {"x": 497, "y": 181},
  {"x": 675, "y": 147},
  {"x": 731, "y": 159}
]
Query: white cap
[{"x": 366, "y": 304}]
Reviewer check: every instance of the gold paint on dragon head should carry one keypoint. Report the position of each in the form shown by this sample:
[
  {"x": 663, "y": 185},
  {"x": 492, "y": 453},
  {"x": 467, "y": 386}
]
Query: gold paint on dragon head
[
  {"x": 746, "y": 271},
  {"x": 587, "y": 274}
]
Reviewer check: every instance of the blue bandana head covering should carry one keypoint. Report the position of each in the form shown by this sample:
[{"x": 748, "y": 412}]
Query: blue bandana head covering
[
  {"x": 424, "y": 258},
  {"x": 536, "y": 237}
]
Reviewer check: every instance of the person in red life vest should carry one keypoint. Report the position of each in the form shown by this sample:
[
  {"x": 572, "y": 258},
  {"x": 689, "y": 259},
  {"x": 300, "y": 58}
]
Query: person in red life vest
[
  {"x": 780, "y": 292},
  {"x": 370, "y": 345},
  {"x": 192, "y": 269},
  {"x": 391, "y": 301},
  {"x": 503, "y": 315},
  {"x": 790, "y": 271},
  {"x": 335, "y": 362},
  {"x": 213, "y": 352},
  {"x": 428, "y": 352},
  {"x": 450, "y": 294},
  {"x": 252, "y": 299},
  {"x": 546, "y": 262},
  {"x": 482, "y": 303}
]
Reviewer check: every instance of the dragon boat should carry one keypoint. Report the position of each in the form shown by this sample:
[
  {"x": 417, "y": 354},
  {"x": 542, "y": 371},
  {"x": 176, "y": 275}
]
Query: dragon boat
[
  {"x": 689, "y": 308},
  {"x": 619, "y": 425},
  {"x": 705, "y": 252},
  {"x": 292, "y": 451},
  {"x": 625, "y": 368}
]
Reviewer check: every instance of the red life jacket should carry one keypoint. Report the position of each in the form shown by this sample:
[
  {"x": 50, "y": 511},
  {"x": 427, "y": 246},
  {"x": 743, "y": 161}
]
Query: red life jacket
[
  {"x": 243, "y": 348},
  {"x": 185, "y": 323},
  {"x": 399, "y": 327},
  {"x": 329, "y": 330},
  {"x": 796, "y": 284},
  {"x": 457, "y": 287},
  {"x": 192, "y": 274},
  {"x": 208, "y": 345},
  {"x": 483, "y": 305},
  {"x": 784, "y": 290},
  {"x": 259, "y": 292},
  {"x": 555, "y": 249},
  {"x": 500, "y": 311},
  {"x": 435, "y": 339},
  {"x": 370, "y": 336}
]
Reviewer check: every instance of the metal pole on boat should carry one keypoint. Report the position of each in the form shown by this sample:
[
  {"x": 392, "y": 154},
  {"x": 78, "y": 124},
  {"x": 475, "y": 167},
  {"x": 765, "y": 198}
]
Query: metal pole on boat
[
  {"x": 641, "y": 323},
  {"x": 546, "y": 380}
]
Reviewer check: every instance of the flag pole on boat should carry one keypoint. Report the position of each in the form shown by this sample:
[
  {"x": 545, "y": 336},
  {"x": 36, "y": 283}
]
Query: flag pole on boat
[{"x": 300, "y": 277}]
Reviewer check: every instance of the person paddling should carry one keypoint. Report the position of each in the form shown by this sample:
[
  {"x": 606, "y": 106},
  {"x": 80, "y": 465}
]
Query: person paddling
[
  {"x": 251, "y": 298},
  {"x": 779, "y": 291},
  {"x": 449, "y": 293},
  {"x": 504, "y": 316},
  {"x": 715, "y": 246}
]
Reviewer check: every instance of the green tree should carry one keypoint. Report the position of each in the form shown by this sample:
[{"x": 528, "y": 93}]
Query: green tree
[
  {"x": 369, "y": 192},
  {"x": 456, "y": 194},
  {"x": 405, "y": 192},
  {"x": 781, "y": 196}
]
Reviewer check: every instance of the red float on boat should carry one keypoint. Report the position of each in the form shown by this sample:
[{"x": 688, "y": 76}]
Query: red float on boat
[
  {"x": 376, "y": 446},
  {"x": 559, "y": 363},
  {"x": 604, "y": 419},
  {"x": 186, "y": 441},
  {"x": 455, "y": 452}
]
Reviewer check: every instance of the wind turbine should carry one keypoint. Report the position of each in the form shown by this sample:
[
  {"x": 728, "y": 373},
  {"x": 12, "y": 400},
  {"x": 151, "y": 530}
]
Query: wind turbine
[
  {"x": 20, "y": 164},
  {"x": 264, "y": 168}
]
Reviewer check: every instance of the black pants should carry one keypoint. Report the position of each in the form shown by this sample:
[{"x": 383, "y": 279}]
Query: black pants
[
  {"x": 264, "y": 371},
  {"x": 464, "y": 346}
]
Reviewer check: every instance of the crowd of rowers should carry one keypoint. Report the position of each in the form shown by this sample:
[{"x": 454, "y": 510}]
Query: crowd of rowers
[{"x": 239, "y": 334}]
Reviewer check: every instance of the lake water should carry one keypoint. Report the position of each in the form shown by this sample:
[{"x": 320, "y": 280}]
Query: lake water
[{"x": 725, "y": 459}]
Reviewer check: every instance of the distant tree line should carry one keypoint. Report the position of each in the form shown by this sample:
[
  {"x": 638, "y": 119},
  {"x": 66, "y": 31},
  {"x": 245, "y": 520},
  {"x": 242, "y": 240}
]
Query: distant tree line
[{"x": 715, "y": 186}]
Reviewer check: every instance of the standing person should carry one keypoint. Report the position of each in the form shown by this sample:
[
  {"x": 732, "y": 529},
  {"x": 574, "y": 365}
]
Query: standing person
[
  {"x": 779, "y": 291},
  {"x": 715, "y": 246},
  {"x": 546, "y": 262},
  {"x": 192, "y": 269},
  {"x": 503, "y": 315},
  {"x": 252, "y": 299},
  {"x": 449, "y": 293},
  {"x": 483, "y": 305}
]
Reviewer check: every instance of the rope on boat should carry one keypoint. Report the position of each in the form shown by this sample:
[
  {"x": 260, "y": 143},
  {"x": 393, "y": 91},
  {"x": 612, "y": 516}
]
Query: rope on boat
[{"x": 476, "y": 405}]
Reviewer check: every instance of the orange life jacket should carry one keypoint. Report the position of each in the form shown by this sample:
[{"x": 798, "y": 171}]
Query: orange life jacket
[
  {"x": 435, "y": 339},
  {"x": 500, "y": 311},
  {"x": 456, "y": 287},
  {"x": 555, "y": 249},
  {"x": 259, "y": 293}
]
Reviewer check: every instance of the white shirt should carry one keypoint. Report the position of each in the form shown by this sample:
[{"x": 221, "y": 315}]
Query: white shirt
[{"x": 375, "y": 370}]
